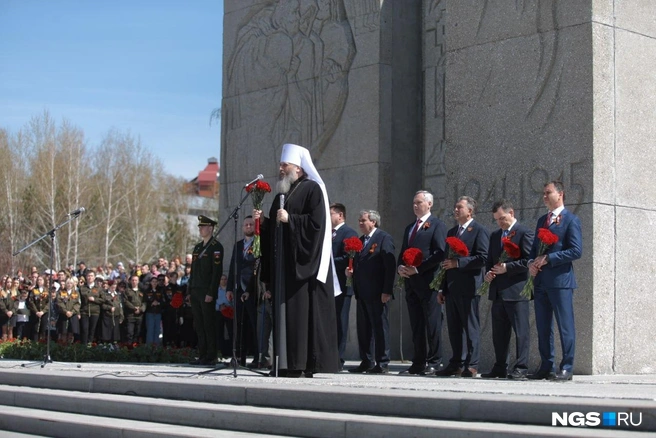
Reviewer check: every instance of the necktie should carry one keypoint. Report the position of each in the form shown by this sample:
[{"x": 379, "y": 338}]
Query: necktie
[
  {"x": 334, "y": 233},
  {"x": 503, "y": 236},
  {"x": 414, "y": 232},
  {"x": 547, "y": 223},
  {"x": 366, "y": 240},
  {"x": 461, "y": 230}
]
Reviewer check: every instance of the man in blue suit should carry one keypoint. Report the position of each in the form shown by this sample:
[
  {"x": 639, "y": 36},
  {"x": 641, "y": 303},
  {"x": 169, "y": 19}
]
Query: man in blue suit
[
  {"x": 373, "y": 282},
  {"x": 239, "y": 278},
  {"x": 341, "y": 231},
  {"x": 428, "y": 234},
  {"x": 555, "y": 283},
  {"x": 464, "y": 276},
  {"x": 510, "y": 310}
]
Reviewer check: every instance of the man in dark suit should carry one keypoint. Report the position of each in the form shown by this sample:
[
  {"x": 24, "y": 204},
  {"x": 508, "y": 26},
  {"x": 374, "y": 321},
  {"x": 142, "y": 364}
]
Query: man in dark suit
[
  {"x": 246, "y": 305},
  {"x": 341, "y": 231},
  {"x": 373, "y": 282},
  {"x": 555, "y": 283},
  {"x": 428, "y": 234},
  {"x": 464, "y": 276},
  {"x": 510, "y": 309}
]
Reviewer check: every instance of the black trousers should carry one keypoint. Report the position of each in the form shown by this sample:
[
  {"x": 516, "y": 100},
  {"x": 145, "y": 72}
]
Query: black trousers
[
  {"x": 247, "y": 328},
  {"x": 508, "y": 316},
  {"x": 373, "y": 332},
  {"x": 205, "y": 325},
  {"x": 464, "y": 330},
  {"x": 342, "y": 310},
  {"x": 133, "y": 328},
  {"x": 426, "y": 325},
  {"x": 89, "y": 324}
]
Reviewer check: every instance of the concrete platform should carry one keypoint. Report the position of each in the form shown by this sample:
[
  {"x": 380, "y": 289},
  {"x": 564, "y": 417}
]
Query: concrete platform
[{"x": 342, "y": 404}]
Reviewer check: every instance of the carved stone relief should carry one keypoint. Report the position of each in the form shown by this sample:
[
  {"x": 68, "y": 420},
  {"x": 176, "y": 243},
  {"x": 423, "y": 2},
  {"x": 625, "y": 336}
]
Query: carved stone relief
[
  {"x": 434, "y": 70},
  {"x": 287, "y": 76},
  {"x": 365, "y": 15}
]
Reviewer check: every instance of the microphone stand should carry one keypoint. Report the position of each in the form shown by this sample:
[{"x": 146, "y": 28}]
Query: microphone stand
[
  {"x": 234, "y": 362},
  {"x": 279, "y": 307},
  {"x": 52, "y": 233}
]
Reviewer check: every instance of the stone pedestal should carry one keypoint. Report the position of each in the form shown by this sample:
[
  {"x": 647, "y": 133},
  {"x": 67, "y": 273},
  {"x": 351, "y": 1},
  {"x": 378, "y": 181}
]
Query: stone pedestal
[
  {"x": 340, "y": 77},
  {"x": 486, "y": 98},
  {"x": 561, "y": 89}
]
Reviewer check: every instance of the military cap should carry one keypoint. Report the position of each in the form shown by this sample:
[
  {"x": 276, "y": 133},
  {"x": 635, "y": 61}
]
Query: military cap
[{"x": 204, "y": 220}]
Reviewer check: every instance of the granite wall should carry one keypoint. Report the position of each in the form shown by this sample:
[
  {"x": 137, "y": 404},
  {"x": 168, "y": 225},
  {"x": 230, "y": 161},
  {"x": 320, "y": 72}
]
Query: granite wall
[{"x": 486, "y": 98}]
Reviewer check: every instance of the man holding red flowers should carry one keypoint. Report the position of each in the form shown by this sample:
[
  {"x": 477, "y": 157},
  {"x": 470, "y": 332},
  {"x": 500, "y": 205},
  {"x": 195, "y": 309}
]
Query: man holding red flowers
[
  {"x": 373, "y": 283},
  {"x": 510, "y": 310},
  {"x": 428, "y": 234},
  {"x": 464, "y": 275},
  {"x": 554, "y": 283}
]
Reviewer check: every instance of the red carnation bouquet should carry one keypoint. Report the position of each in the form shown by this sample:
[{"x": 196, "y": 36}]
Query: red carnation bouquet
[
  {"x": 177, "y": 300},
  {"x": 257, "y": 190},
  {"x": 411, "y": 257},
  {"x": 546, "y": 238},
  {"x": 228, "y": 312},
  {"x": 352, "y": 245},
  {"x": 510, "y": 251},
  {"x": 457, "y": 248}
]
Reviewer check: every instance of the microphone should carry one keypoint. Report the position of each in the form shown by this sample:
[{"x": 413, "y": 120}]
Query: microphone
[
  {"x": 259, "y": 177},
  {"x": 76, "y": 212}
]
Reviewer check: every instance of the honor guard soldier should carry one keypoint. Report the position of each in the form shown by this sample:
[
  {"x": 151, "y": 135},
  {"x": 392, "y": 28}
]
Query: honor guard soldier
[{"x": 206, "y": 270}]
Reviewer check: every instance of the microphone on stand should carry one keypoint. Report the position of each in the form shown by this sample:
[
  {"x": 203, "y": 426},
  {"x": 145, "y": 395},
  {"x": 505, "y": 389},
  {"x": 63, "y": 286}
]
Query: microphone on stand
[
  {"x": 76, "y": 212},
  {"x": 257, "y": 178}
]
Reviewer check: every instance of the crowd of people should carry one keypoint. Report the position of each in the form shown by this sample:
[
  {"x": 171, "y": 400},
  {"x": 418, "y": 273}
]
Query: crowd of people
[
  {"x": 286, "y": 299},
  {"x": 143, "y": 303}
]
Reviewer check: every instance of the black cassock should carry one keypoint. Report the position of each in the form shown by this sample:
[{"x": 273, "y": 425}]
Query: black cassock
[{"x": 310, "y": 330}]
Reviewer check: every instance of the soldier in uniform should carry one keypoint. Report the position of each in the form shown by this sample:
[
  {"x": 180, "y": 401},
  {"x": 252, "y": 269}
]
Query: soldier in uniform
[
  {"x": 206, "y": 270},
  {"x": 134, "y": 308},
  {"x": 112, "y": 313},
  {"x": 92, "y": 299},
  {"x": 68, "y": 306}
]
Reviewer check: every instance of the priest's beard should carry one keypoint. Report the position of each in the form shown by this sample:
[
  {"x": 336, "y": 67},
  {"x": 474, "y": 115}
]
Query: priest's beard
[{"x": 285, "y": 183}]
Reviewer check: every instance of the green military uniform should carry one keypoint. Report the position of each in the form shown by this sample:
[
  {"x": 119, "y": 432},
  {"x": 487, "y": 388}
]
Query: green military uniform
[
  {"x": 68, "y": 303},
  {"x": 134, "y": 299},
  {"x": 90, "y": 311},
  {"x": 206, "y": 270}
]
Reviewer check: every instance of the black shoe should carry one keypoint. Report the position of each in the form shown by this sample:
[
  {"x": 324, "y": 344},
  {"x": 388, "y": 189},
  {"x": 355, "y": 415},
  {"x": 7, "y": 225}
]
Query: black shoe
[
  {"x": 428, "y": 371},
  {"x": 494, "y": 374},
  {"x": 360, "y": 369},
  {"x": 253, "y": 365},
  {"x": 564, "y": 375},
  {"x": 518, "y": 374},
  {"x": 449, "y": 371},
  {"x": 378, "y": 370},
  {"x": 543, "y": 375},
  {"x": 469, "y": 372},
  {"x": 415, "y": 370}
]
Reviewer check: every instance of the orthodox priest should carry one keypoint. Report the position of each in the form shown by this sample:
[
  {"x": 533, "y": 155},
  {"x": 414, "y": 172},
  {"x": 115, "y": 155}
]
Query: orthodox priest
[{"x": 298, "y": 234}]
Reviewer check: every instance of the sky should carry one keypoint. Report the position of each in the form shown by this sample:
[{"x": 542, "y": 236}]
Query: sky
[{"x": 152, "y": 68}]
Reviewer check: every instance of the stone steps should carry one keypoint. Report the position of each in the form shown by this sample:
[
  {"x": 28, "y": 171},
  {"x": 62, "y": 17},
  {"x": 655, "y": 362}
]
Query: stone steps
[
  {"x": 71, "y": 414},
  {"x": 41, "y": 422},
  {"x": 198, "y": 406}
]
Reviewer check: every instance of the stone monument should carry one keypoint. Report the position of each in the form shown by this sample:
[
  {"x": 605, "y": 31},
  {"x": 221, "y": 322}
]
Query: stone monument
[{"x": 486, "y": 98}]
